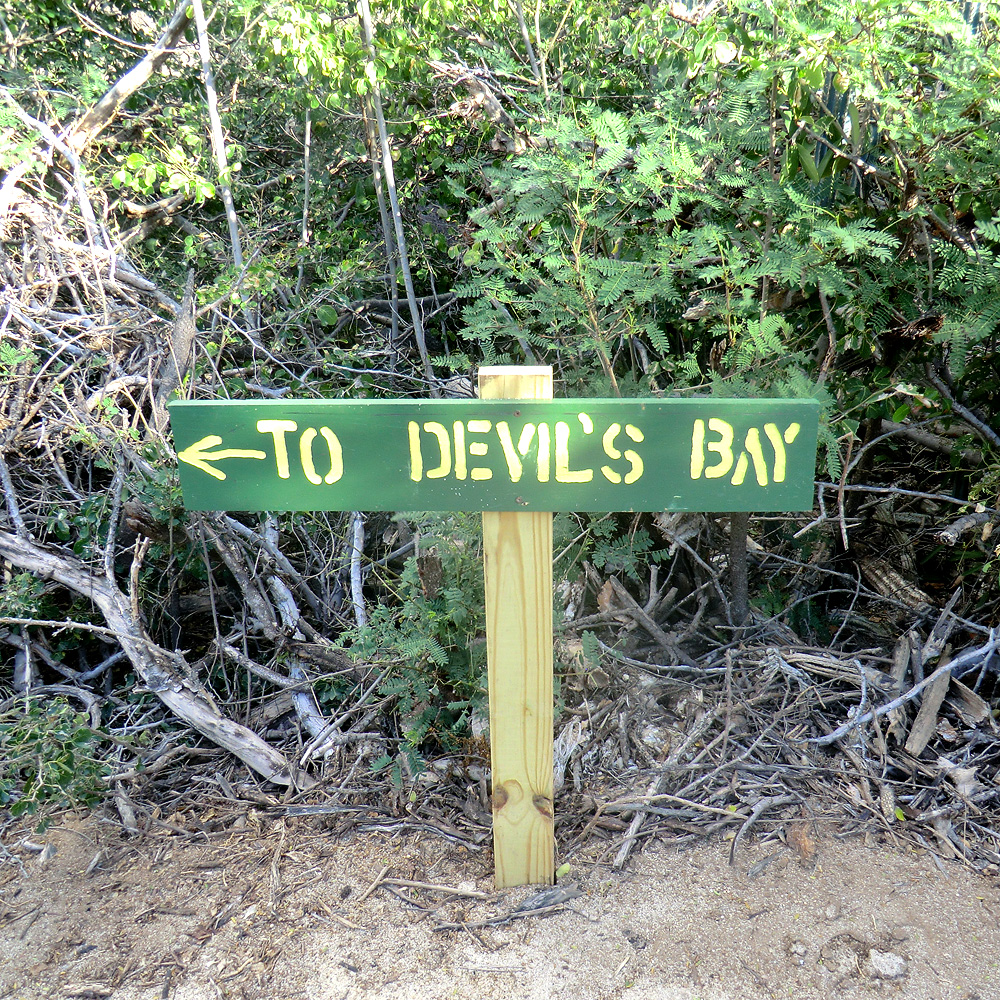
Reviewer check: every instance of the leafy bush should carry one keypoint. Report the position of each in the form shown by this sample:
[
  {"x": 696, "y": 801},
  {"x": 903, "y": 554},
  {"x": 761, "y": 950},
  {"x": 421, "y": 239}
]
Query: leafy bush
[
  {"x": 430, "y": 639},
  {"x": 48, "y": 759},
  {"x": 746, "y": 199}
]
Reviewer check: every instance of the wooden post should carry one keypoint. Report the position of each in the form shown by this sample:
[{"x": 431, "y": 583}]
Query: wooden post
[{"x": 518, "y": 568}]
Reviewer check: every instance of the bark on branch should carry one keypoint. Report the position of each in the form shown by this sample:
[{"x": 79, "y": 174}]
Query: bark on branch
[
  {"x": 927, "y": 439},
  {"x": 161, "y": 670},
  {"x": 100, "y": 115}
]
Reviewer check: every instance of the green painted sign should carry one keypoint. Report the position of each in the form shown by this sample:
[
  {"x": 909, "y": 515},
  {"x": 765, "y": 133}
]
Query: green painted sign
[{"x": 515, "y": 455}]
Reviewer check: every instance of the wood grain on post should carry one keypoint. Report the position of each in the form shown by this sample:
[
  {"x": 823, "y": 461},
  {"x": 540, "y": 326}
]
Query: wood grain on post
[{"x": 518, "y": 568}]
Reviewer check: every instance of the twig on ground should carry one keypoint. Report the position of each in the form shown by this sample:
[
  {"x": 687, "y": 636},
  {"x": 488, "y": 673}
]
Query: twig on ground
[{"x": 954, "y": 667}]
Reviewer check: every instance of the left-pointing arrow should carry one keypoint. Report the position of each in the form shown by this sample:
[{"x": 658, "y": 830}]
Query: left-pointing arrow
[{"x": 200, "y": 456}]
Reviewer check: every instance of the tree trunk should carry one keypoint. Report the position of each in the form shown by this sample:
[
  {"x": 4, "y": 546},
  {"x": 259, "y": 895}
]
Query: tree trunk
[{"x": 739, "y": 599}]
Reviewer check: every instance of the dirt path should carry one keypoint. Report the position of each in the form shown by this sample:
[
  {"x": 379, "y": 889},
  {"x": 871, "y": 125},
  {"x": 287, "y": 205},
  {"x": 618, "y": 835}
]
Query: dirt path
[{"x": 286, "y": 909}]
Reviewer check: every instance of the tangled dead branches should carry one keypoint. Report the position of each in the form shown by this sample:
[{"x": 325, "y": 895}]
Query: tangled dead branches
[{"x": 92, "y": 351}]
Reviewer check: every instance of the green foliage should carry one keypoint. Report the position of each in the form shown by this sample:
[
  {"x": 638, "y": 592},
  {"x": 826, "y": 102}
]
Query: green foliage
[
  {"x": 615, "y": 551},
  {"x": 987, "y": 575},
  {"x": 48, "y": 759},
  {"x": 430, "y": 640},
  {"x": 775, "y": 177},
  {"x": 170, "y": 172},
  {"x": 21, "y": 595},
  {"x": 600, "y": 253},
  {"x": 12, "y": 357},
  {"x": 16, "y": 143},
  {"x": 591, "y": 649}
]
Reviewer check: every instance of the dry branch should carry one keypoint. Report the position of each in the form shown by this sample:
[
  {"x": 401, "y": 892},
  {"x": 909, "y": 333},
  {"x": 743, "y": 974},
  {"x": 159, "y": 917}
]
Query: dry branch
[
  {"x": 936, "y": 442},
  {"x": 179, "y": 353},
  {"x": 101, "y": 114},
  {"x": 483, "y": 101},
  {"x": 969, "y": 659},
  {"x": 389, "y": 174},
  {"x": 954, "y": 531},
  {"x": 81, "y": 434},
  {"x": 165, "y": 673}
]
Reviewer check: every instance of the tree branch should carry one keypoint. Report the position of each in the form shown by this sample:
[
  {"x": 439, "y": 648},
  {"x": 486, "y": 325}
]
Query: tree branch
[
  {"x": 99, "y": 116},
  {"x": 982, "y": 428},
  {"x": 364, "y": 15},
  {"x": 161, "y": 670},
  {"x": 219, "y": 147}
]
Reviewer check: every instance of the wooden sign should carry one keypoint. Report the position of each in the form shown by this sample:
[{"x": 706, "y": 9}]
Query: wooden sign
[
  {"x": 517, "y": 455},
  {"x": 497, "y": 455}
]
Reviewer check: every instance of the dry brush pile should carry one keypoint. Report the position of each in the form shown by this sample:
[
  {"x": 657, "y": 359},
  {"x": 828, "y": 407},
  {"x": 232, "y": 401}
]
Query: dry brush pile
[
  {"x": 92, "y": 352},
  {"x": 674, "y": 721}
]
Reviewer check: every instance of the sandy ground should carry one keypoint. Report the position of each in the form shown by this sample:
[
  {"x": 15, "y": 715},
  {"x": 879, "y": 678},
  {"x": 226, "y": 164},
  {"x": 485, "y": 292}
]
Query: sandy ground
[{"x": 287, "y": 908}]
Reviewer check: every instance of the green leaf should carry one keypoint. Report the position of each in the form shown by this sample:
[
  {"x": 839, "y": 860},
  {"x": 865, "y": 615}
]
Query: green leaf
[
  {"x": 327, "y": 315},
  {"x": 813, "y": 76},
  {"x": 854, "y": 115},
  {"x": 808, "y": 163},
  {"x": 725, "y": 51}
]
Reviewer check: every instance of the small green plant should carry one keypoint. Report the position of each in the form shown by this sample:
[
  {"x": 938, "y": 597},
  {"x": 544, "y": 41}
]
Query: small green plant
[
  {"x": 21, "y": 595},
  {"x": 11, "y": 357},
  {"x": 48, "y": 759},
  {"x": 432, "y": 642}
]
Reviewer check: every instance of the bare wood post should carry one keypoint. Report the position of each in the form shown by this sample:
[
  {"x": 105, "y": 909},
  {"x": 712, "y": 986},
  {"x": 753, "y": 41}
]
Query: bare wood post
[{"x": 518, "y": 567}]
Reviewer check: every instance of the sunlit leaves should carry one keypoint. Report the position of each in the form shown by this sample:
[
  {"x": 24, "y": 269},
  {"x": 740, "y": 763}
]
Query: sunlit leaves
[{"x": 857, "y": 239}]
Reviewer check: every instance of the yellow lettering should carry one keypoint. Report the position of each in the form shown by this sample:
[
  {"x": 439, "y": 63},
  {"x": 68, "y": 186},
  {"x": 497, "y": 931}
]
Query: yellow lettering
[
  {"x": 305, "y": 453},
  {"x": 523, "y": 447},
  {"x": 336, "y": 456},
  {"x": 514, "y": 466},
  {"x": 524, "y": 441},
  {"x": 723, "y": 448},
  {"x": 637, "y": 467},
  {"x": 563, "y": 472},
  {"x": 752, "y": 445},
  {"x": 459, "y": 431},
  {"x": 609, "y": 441},
  {"x": 586, "y": 423},
  {"x": 774, "y": 436},
  {"x": 612, "y": 452},
  {"x": 278, "y": 429},
  {"x": 479, "y": 448},
  {"x": 440, "y": 432},
  {"x": 697, "y": 449},
  {"x": 416, "y": 459},
  {"x": 544, "y": 452},
  {"x": 792, "y": 432}
]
